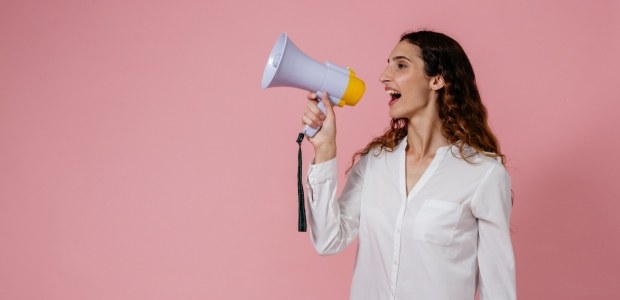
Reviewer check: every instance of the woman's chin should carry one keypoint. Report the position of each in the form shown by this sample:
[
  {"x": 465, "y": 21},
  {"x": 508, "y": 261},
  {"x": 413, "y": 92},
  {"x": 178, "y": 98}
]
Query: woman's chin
[{"x": 394, "y": 114}]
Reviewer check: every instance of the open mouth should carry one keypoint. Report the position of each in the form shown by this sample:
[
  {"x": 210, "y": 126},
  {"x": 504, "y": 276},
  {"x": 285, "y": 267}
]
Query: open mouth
[{"x": 394, "y": 94}]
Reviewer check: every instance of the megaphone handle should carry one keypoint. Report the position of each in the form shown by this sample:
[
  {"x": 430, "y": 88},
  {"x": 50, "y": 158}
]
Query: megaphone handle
[{"x": 309, "y": 131}]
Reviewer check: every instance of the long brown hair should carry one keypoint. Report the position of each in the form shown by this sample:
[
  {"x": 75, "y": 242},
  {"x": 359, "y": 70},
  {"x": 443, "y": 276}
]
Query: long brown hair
[{"x": 462, "y": 114}]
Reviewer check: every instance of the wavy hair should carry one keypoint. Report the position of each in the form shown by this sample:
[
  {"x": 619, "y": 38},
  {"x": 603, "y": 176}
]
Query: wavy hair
[{"x": 462, "y": 114}]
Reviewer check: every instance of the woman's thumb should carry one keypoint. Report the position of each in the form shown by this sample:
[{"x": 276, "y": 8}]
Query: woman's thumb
[{"x": 329, "y": 110}]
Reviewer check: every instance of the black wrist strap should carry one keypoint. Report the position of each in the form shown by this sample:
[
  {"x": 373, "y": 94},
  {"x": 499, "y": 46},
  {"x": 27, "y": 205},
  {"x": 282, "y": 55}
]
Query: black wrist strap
[{"x": 301, "y": 224}]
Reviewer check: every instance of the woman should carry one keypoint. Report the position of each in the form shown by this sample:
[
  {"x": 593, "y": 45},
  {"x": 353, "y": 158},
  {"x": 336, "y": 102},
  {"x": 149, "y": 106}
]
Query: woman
[{"x": 429, "y": 200}]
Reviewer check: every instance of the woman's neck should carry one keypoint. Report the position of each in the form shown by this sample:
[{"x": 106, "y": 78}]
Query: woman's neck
[{"x": 424, "y": 137}]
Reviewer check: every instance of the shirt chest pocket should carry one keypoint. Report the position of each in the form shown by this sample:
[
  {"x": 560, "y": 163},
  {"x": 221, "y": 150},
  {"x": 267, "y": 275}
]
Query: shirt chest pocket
[{"x": 437, "y": 221}]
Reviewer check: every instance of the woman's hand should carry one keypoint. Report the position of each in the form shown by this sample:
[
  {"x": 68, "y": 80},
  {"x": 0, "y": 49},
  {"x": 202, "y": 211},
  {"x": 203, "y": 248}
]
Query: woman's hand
[{"x": 324, "y": 141}]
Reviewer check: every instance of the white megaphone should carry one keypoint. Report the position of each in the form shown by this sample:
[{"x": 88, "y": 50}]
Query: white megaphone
[{"x": 288, "y": 66}]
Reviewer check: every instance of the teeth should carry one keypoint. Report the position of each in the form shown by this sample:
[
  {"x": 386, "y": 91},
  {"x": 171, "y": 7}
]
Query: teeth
[{"x": 392, "y": 92}]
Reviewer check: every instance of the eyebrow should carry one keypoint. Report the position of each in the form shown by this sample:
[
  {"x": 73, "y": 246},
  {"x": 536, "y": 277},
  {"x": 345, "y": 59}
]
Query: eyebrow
[{"x": 399, "y": 57}]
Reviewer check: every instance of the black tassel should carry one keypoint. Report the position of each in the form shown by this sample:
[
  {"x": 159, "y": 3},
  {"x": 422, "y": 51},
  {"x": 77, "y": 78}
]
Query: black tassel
[{"x": 301, "y": 224}]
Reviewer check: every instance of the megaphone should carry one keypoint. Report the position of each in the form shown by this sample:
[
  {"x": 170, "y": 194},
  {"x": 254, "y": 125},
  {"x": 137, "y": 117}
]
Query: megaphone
[{"x": 288, "y": 66}]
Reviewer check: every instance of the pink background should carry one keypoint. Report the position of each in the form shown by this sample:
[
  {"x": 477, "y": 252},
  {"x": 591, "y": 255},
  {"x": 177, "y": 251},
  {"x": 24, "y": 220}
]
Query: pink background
[{"x": 139, "y": 158}]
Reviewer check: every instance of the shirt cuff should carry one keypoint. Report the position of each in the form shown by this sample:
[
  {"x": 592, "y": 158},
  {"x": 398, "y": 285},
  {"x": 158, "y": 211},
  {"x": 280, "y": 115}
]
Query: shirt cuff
[{"x": 322, "y": 172}]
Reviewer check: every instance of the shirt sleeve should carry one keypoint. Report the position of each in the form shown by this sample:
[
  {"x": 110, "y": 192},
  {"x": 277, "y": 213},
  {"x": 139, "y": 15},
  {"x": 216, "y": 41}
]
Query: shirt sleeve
[
  {"x": 492, "y": 205},
  {"x": 334, "y": 222}
]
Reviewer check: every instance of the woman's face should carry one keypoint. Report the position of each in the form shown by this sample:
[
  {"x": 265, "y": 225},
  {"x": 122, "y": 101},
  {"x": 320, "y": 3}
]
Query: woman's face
[{"x": 407, "y": 85}]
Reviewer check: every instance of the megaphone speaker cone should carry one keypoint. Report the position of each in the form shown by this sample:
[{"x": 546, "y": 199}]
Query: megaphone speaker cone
[{"x": 273, "y": 62}]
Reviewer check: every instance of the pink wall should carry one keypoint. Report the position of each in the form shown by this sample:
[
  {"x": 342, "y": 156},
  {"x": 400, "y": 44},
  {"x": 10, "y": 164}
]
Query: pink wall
[{"x": 131, "y": 166}]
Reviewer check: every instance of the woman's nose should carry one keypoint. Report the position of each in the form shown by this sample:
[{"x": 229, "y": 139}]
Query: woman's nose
[{"x": 385, "y": 76}]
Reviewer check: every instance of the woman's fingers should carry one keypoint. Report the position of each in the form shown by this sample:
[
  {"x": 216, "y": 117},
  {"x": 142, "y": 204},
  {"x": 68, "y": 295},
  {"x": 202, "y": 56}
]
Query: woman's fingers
[
  {"x": 313, "y": 116},
  {"x": 312, "y": 96}
]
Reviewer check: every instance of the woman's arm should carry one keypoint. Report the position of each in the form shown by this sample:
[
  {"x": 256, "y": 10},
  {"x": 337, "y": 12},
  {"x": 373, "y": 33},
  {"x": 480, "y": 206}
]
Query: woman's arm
[
  {"x": 492, "y": 205},
  {"x": 334, "y": 222}
]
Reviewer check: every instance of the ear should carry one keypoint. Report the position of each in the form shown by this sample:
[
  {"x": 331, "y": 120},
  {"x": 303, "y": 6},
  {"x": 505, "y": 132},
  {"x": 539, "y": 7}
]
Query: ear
[{"x": 437, "y": 83}]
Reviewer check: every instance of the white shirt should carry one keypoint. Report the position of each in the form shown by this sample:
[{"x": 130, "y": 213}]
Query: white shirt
[{"x": 449, "y": 234}]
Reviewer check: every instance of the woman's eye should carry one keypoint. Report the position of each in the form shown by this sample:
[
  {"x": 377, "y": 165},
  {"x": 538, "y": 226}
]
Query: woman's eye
[{"x": 401, "y": 66}]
